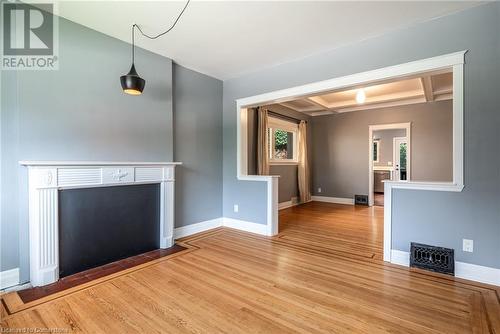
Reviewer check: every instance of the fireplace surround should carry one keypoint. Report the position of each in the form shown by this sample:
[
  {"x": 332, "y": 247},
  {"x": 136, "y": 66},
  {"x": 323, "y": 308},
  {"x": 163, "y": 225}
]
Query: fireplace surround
[{"x": 46, "y": 178}]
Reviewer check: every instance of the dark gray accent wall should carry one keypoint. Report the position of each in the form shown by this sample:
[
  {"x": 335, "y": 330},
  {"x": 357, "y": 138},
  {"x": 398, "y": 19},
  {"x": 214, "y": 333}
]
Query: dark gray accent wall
[
  {"x": 439, "y": 218},
  {"x": 198, "y": 144},
  {"x": 340, "y": 146}
]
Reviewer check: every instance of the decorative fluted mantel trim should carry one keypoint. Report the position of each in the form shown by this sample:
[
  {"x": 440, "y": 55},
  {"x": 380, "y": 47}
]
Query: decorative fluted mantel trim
[{"x": 46, "y": 163}]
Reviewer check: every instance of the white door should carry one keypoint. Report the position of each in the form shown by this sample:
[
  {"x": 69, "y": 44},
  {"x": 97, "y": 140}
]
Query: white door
[{"x": 400, "y": 153}]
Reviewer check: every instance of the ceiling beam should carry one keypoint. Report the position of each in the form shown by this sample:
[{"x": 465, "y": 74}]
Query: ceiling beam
[
  {"x": 317, "y": 101},
  {"x": 427, "y": 88}
]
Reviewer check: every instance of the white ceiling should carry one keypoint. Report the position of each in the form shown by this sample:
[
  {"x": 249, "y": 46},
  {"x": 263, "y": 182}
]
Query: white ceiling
[{"x": 225, "y": 39}]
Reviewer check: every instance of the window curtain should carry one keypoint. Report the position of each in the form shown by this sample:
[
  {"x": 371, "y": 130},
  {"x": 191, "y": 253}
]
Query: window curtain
[
  {"x": 303, "y": 166},
  {"x": 262, "y": 143}
]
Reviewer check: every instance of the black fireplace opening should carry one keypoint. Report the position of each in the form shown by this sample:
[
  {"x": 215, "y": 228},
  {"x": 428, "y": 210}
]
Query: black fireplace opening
[{"x": 105, "y": 224}]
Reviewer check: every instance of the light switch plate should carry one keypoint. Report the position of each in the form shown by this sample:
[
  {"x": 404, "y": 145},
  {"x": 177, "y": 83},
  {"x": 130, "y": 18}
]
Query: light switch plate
[{"x": 236, "y": 208}]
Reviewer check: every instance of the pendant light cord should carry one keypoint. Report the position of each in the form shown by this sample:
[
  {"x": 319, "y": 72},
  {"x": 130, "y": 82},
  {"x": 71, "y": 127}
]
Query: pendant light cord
[
  {"x": 159, "y": 35},
  {"x": 166, "y": 31}
]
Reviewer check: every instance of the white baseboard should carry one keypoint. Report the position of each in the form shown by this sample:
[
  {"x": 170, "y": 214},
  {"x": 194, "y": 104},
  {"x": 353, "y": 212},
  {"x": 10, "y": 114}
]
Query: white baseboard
[
  {"x": 337, "y": 200},
  {"x": 288, "y": 204},
  {"x": 184, "y": 231},
  {"x": 245, "y": 226},
  {"x": 285, "y": 205},
  {"x": 463, "y": 270},
  {"x": 400, "y": 257},
  {"x": 9, "y": 278}
]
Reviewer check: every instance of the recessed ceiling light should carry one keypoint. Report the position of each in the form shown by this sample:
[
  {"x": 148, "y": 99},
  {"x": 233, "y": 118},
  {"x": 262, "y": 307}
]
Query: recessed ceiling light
[{"x": 360, "y": 96}]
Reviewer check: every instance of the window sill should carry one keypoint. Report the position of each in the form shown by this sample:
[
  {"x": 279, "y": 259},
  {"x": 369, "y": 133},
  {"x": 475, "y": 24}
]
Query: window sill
[{"x": 277, "y": 163}]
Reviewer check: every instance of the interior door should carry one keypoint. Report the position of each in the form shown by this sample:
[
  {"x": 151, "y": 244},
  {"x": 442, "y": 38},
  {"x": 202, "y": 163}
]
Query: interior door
[{"x": 400, "y": 152}]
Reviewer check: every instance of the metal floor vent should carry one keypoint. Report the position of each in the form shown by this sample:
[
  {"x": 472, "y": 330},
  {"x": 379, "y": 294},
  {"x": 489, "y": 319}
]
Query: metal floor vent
[
  {"x": 361, "y": 199},
  {"x": 437, "y": 259}
]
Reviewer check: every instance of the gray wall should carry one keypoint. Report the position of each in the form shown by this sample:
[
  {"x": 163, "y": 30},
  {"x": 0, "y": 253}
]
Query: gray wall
[
  {"x": 288, "y": 182},
  {"x": 440, "y": 218},
  {"x": 386, "y": 145},
  {"x": 340, "y": 146},
  {"x": 198, "y": 144},
  {"x": 80, "y": 113}
]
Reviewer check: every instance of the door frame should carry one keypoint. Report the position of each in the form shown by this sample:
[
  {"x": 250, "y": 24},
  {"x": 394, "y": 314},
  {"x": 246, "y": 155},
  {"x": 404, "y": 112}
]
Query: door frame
[
  {"x": 391, "y": 126},
  {"x": 394, "y": 155}
]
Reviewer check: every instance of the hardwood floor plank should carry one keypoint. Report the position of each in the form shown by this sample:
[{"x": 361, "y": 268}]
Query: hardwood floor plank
[{"x": 322, "y": 274}]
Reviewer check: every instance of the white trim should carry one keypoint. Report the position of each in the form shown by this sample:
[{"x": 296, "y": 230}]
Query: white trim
[
  {"x": 400, "y": 257},
  {"x": 477, "y": 273},
  {"x": 390, "y": 72},
  {"x": 9, "y": 278},
  {"x": 294, "y": 201},
  {"x": 93, "y": 163},
  {"x": 377, "y": 141},
  {"x": 337, "y": 200},
  {"x": 397, "y": 152},
  {"x": 279, "y": 124},
  {"x": 392, "y": 126},
  {"x": 283, "y": 162},
  {"x": 242, "y": 225},
  {"x": 245, "y": 226},
  {"x": 455, "y": 60},
  {"x": 463, "y": 270},
  {"x": 184, "y": 231},
  {"x": 46, "y": 178},
  {"x": 286, "y": 205}
]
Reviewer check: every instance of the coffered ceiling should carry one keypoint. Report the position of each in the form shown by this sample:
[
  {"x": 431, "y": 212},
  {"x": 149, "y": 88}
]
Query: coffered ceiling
[{"x": 429, "y": 87}]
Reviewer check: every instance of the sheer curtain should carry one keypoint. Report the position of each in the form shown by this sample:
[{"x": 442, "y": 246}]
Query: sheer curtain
[
  {"x": 303, "y": 166},
  {"x": 262, "y": 144}
]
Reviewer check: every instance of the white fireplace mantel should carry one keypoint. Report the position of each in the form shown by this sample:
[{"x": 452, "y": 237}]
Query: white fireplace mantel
[{"x": 46, "y": 178}]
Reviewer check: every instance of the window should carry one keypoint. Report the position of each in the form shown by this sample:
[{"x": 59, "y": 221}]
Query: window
[
  {"x": 376, "y": 150},
  {"x": 282, "y": 137}
]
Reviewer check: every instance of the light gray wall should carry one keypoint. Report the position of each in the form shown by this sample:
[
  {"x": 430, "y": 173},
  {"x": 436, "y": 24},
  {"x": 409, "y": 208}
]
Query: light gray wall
[
  {"x": 386, "y": 145},
  {"x": 440, "y": 218},
  {"x": 198, "y": 144},
  {"x": 340, "y": 146},
  {"x": 288, "y": 183},
  {"x": 80, "y": 113}
]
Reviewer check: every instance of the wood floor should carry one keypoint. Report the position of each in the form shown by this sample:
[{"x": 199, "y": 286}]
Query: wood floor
[
  {"x": 378, "y": 199},
  {"x": 322, "y": 274}
]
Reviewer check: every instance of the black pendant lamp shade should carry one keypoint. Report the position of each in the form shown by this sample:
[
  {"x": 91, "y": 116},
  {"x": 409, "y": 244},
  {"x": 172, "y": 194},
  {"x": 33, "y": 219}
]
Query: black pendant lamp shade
[{"x": 132, "y": 83}]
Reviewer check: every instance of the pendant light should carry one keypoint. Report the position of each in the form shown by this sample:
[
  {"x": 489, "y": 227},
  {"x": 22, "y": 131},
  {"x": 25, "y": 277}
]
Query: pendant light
[{"x": 131, "y": 82}]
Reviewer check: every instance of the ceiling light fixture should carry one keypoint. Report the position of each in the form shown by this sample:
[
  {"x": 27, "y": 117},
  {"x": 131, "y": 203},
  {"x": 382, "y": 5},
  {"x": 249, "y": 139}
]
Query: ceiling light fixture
[
  {"x": 360, "y": 96},
  {"x": 131, "y": 82}
]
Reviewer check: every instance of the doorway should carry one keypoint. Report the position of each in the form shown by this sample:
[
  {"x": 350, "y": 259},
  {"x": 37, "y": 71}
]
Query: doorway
[
  {"x": 389, "y": 158},
  {"x": 399, "y": 151}
]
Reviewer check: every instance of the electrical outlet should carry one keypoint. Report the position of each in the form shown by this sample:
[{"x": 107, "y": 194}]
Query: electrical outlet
[
  {"x": 236, "y": 208},
  {"x": 468, "y": 245},
  {"x": 319, "y": 190}
]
